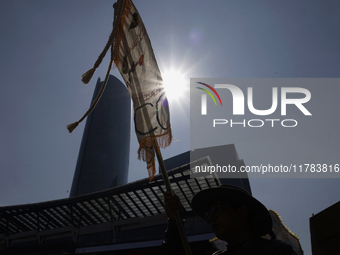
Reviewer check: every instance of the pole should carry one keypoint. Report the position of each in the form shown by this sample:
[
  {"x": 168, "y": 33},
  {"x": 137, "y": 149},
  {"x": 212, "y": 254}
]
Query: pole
[
  {"x": 168, "y": 188},
  {"x": 158, "y": 152}
]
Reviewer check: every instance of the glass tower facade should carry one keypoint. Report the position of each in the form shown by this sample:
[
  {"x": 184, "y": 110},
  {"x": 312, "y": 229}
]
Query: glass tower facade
[{"x": 103, "y": 159}]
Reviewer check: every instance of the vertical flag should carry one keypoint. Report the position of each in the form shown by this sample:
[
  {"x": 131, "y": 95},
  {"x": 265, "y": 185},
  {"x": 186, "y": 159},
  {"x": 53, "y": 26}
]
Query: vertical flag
[
  {"x": 132, "y": 53},
  {"x": 137, "y": 64}
]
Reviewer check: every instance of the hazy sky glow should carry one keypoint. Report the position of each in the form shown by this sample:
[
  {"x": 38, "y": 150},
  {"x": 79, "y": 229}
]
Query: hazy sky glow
[{"x": 46, "y": 46}]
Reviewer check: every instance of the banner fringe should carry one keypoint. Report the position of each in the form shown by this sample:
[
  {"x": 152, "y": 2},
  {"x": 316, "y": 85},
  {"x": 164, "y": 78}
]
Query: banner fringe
[{"x": 147, "y": 156}]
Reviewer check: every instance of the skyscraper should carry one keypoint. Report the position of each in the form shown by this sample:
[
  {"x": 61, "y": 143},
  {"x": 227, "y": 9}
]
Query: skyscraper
[
  {"x": 103, "y": 159},
  {"x": 222, "y": 155}
]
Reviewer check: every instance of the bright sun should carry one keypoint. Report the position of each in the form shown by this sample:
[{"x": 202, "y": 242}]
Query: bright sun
[{"x": 174, "y": 84}]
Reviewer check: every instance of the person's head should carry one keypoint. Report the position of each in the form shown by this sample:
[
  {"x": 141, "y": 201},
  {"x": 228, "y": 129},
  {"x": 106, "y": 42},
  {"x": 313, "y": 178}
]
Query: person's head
[
  {"x": 233, "y": 213},
  {"x": 229, "y": 220}
]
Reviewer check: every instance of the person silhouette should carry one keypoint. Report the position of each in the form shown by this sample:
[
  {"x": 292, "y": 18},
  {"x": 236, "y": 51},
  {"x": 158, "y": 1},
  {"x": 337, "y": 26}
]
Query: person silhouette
[{"x": 235, "y": 217}]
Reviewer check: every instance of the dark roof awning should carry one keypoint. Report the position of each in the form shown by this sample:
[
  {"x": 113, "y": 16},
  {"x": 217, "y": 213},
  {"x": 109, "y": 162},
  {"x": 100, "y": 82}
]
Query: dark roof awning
[{"x": 138, "y": 199}]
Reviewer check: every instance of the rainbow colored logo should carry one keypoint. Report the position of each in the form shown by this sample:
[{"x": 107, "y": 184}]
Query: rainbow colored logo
[{"x": 208, "y": 92}]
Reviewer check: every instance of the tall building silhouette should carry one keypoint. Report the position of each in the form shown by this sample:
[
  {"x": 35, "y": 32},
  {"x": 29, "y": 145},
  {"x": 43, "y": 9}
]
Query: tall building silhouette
[{"x": 103, "y": 159}]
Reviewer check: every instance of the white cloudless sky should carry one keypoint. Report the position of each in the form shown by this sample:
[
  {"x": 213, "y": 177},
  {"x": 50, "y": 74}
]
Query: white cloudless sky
[{"x": 45, "y": 47}]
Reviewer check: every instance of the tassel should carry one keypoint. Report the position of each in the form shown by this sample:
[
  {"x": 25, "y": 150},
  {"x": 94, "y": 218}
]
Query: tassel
[
  {"x": 72, "y": 126},
  {"x": 86, "y": 77}
]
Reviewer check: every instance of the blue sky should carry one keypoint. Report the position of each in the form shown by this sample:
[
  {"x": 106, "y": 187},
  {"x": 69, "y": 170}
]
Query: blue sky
[{"x": 45, "y": 47}]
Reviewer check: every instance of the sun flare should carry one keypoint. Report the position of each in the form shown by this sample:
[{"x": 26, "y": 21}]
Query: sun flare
[{"x": 174, "y": 84}]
